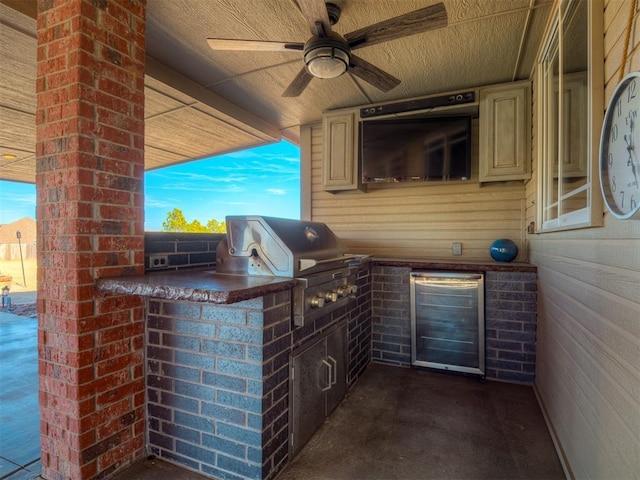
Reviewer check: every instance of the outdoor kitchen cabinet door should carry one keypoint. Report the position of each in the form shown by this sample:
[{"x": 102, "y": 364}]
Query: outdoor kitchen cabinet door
[
  {"x": 505, "y": 132},
  {"x": 337, "y": 356},
  {"x": 340, "y": 151},
  {"x": 319, "y": 382}
]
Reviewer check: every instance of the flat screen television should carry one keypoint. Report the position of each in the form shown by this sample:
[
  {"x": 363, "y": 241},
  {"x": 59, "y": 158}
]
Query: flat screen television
[{"x": 418, "y": 149}]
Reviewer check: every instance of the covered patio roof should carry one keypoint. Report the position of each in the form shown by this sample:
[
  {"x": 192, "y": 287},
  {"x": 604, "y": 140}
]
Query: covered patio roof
[{"x": 201, "y": 103}]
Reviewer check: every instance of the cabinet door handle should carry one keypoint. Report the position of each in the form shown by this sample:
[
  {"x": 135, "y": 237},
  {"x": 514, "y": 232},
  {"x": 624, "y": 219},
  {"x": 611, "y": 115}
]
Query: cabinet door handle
[
  {"x": 328, "y": 387},
  {"x": 334, "y": 377}
]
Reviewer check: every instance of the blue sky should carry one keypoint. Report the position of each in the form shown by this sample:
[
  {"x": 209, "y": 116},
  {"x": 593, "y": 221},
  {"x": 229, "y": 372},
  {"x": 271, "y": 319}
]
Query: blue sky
[{"x": 260, "y": 181}]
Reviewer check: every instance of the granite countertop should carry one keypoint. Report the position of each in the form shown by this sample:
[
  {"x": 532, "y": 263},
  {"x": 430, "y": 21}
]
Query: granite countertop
[
  {"x": 461, "y": 265},
  {"x": 205, "y": 285},
  {"x": 195, "y": 285}
]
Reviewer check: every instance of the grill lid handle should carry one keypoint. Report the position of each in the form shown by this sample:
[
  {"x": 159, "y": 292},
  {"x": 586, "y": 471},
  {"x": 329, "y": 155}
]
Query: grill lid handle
[{"x": 307, "y": 263}]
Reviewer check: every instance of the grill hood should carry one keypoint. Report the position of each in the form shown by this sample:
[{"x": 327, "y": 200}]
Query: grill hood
[{"x": 280, "y": 247}]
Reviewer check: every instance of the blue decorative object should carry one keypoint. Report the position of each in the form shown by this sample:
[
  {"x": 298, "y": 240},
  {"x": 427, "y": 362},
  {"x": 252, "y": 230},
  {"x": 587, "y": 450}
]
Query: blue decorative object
[{"x": 503, "y": 250}]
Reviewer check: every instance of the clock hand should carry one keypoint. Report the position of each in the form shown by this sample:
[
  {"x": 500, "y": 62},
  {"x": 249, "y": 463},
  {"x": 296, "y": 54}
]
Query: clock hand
[
  {"x": 632, "y": 158},
  {"x": 635, "y": 173}
]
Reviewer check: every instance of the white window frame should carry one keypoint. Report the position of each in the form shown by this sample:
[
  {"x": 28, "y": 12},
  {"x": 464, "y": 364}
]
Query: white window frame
[{"x": 546, "y": 135}]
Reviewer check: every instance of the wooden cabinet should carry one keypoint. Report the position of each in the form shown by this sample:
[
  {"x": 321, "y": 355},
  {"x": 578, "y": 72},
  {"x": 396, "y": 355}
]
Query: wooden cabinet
[
  {"x": 505, "y": 132},
  {"x": 340, "y": 149},
  {"x": 318, "y": 384}
]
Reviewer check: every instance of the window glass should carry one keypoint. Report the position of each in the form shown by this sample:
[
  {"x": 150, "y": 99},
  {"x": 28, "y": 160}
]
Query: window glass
[{"x": 567, "y": 125}]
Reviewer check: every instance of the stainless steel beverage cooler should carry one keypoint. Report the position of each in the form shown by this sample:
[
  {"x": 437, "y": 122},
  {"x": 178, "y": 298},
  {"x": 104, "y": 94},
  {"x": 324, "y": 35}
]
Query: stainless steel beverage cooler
[{"x": 447, "y": 321}]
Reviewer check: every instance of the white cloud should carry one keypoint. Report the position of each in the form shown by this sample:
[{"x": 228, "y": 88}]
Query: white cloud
[
  {"x": 153, "y": 202},
  {"x": 276, "y": 191}
]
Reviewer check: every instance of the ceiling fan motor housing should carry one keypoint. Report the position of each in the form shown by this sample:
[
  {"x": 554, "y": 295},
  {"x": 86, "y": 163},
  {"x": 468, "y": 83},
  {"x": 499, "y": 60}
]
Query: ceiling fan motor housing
[
  {"x": 327, "y": 57},
  {"x": 333, "y": 11}
]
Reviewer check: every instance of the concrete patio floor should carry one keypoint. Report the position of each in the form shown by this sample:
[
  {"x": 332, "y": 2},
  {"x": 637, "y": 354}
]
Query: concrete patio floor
[
  {"x": 396, "y": 423},
  {"x": 19, "y": 410}
]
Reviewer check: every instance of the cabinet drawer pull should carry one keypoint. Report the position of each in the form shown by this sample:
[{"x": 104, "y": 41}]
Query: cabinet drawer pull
[
  {"x": 334, "y": 370},
  {"x": 328, "y": 387}
]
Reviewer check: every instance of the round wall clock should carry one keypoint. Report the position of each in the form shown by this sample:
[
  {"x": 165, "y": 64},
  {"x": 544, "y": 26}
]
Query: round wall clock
[{"x": 620, "y": 150}]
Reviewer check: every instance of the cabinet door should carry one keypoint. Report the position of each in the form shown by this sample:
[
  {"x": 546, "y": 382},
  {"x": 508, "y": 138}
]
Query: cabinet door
[
  {"x": 337, "y": 357},
  {"x": 340, "y": 151},
  {"x": 505, "y": 131},
  {"x": 310, "y": 380}
]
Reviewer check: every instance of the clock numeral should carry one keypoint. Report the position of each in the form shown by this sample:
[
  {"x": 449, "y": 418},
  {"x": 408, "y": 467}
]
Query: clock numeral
[
  {"x": 614, "y": 133},
  {"x": 619, "y": 108},
  {"x": 631, "y": 117},
  {"x": 610, "y": 159},
  {"x": 613, "y": 184},
  {"x": 631, "y": 91},
  {"x": 621, "y": 198},
  {"x": 634, "y": 203}
]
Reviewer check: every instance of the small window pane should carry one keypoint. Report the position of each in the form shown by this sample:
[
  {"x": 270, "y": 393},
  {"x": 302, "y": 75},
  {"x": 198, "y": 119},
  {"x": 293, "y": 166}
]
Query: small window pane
[
  {"x": 570, "y": 62},
  {"x": 575, "y": 62},
  {"x": 552, "y": 76}
]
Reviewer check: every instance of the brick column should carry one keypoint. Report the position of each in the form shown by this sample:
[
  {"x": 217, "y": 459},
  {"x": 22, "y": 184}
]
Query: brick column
[{"x": 90, "y": 149}]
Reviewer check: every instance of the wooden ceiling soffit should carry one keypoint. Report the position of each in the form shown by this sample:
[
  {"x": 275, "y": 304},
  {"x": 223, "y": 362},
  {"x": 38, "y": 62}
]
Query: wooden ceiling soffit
[
  {"x": 226, "y": 111},
  {"x": 193, "y": 134},
  {"x": 292, "y": 134}
]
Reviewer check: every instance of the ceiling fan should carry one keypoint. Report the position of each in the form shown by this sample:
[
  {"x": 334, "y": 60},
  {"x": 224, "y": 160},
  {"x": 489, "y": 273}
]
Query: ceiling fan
[{"x": 328, "y": 55}]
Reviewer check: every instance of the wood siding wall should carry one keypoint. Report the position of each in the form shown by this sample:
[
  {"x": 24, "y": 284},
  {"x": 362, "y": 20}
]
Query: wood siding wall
[
  {"x": 420, "y": 220},
  {"x": 588, "y": 339}
]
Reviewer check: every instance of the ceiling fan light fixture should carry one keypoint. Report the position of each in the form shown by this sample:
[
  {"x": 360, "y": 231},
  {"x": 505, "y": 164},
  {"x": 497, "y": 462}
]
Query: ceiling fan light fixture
[
  {"x": 327, "y": 56},
  {"x": 326, "y": 62}
]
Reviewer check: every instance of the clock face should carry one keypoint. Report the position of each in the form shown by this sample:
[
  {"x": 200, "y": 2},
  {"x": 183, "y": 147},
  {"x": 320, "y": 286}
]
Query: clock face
[{"x": 620, "y": 149}]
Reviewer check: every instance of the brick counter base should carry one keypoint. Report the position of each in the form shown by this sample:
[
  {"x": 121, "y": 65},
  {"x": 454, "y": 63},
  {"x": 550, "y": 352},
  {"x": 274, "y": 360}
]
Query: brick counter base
[
  {"x": 510, "y": 325},
  {"x": 510, "y": 321},
  {"x": 218, "y": 385}
]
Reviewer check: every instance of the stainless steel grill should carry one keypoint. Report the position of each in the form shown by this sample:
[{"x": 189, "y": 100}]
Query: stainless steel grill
[{"x": 307, "y": 251}]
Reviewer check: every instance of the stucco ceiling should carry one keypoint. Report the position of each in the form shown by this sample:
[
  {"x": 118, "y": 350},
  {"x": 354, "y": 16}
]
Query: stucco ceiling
[{"x": 201, "y": 102}]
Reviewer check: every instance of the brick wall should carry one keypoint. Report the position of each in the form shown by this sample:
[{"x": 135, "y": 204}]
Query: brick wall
[
  {"x": 218, "y": 385},
  {"x": 183, "y": 250},
  {"x": 90, "y": 163},
  {"x": 359, "y": 328},
  {"x": 391, "y": 315},
  {"x": 510, "y": 321}
]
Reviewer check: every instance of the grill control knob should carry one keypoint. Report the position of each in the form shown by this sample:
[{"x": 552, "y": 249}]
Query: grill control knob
[
  {"x": 331, "y": 296},
  {"x": 316, "y": 302},
  {"x": 343, "y": 291}
]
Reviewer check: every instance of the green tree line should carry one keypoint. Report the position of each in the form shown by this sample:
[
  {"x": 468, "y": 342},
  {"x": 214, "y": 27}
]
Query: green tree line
[{"x": 176, "y": 222}]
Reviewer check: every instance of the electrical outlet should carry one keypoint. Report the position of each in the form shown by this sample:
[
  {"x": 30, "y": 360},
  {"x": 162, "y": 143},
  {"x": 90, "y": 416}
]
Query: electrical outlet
[
  {"x": 456, "y": 248},
  {"x": 158, "y": 261}
]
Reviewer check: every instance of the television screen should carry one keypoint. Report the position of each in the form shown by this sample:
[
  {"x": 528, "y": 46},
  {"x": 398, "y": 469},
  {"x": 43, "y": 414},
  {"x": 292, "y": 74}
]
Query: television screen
[{"x": 415, "y": 149}]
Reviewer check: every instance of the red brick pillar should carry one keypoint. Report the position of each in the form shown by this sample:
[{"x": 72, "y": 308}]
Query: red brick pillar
[{"x": 90, "y": 149}]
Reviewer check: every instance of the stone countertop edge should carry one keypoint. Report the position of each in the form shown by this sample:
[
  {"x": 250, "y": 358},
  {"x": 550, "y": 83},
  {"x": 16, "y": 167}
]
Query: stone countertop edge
[
  {"x": 195, "y": 285},
  {"x": 461, "y": 265},
  {"x": 205, "y": 285}
]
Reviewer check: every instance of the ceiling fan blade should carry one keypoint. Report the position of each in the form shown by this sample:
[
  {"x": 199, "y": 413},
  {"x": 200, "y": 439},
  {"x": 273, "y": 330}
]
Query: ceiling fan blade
[
  {"x": 315, "y": 11},
  {"x": 372, "y": 74},
  {"x": 254, "y": 45},
  {"x": 298, "y": 84},
  {"x": 418, "y": 21}
]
